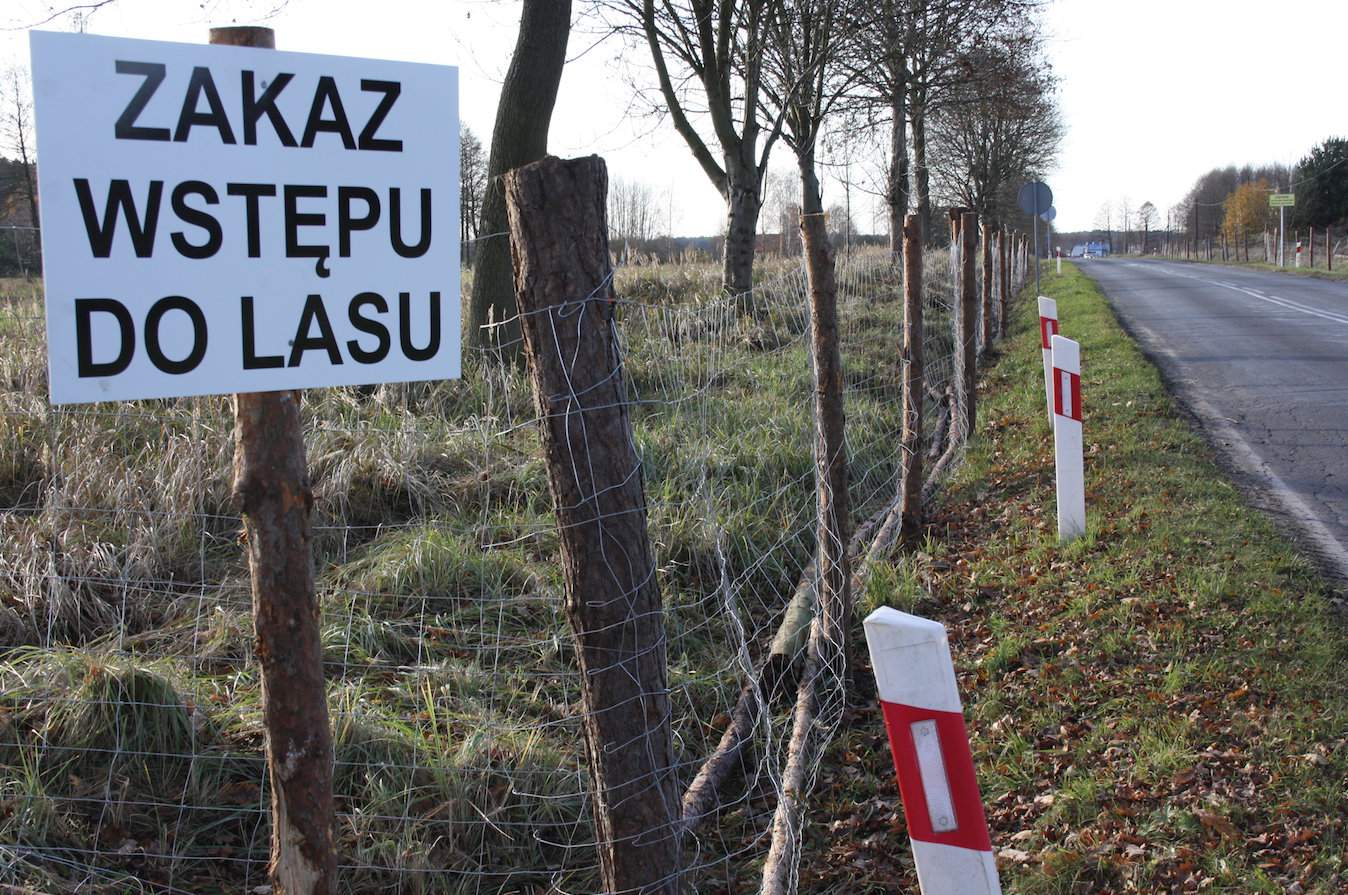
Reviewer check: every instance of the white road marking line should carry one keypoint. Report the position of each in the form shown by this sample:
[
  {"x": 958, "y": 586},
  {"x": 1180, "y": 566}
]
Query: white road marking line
[
  {"x": 1270, "y": 299},
  {"x": 1250, "y": 460}
]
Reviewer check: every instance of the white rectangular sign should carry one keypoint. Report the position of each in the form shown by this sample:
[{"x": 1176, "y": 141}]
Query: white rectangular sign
[{"x": 226, "y": 219}]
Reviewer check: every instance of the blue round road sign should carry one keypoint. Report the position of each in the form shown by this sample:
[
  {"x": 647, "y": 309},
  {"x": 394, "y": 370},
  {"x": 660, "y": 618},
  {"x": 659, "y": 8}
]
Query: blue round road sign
[{"x": 1035, "y": 198}]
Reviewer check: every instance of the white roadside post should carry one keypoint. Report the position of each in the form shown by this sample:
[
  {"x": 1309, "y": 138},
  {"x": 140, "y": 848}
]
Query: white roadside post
[
  {"x": 930, "y": 743},
  {"x": 1067, "y": 442},
  {"x": 1048, "y": 328},
  {"x": 1059, "y": 257}
]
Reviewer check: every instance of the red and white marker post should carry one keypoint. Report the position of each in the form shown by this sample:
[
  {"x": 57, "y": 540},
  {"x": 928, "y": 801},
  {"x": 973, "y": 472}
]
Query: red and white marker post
[
  {"x": 1298, "y": 259},
  {"x": 1067, "y": 441},
  {"x": 1048, "y": 328},
  {"x": 918, "y": 694}
]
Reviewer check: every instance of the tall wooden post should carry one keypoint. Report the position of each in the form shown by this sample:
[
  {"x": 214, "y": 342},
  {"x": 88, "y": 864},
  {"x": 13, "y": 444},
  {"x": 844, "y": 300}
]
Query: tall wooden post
[
  {"x": 1004, "y": 245},
  {"x": 986, "y": 315},
  {"x": 966, "y": 351},
  {"x": 1311, "y": 240},
  {"x": 559, "y": 242},
  {"x": 272, "y": 491},
  {"x": 1329, "y": 249},
  {"x": 831, "y": 474},
  {"x": 914, "y": 387},
  {"x": 956, "y": 267}
]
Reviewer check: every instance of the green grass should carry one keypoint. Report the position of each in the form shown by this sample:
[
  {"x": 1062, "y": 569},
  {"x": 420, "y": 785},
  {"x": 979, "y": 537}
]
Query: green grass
[
  {"x": 130, "y": 721},
  {"x": 1156, "y": 707}
]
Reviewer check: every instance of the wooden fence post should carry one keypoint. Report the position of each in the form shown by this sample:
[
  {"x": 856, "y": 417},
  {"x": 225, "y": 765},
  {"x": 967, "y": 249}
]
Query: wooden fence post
[
  {"x": 831, "y": 474},
  {"x": 914, "y": 385},
  {"x": 272, "y": 491},
  {"x": 1329, "y": 249},
  {"x": 1004, "y": 250},
  {"x": 827, "y": 656},
  {"x": 966, "y": 314},
  {"x": 559, "y": 241},
  {"x": 986, "y": 316}
]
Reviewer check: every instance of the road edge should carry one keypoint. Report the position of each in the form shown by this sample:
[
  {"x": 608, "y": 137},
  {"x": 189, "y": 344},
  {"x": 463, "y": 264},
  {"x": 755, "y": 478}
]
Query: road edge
[{"x": 1262, "y": 488}]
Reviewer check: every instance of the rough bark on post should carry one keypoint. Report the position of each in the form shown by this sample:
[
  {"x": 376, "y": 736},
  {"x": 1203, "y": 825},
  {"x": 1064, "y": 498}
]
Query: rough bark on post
[
  {"x": 985, "y": 332},
  {"x": 272, "y": 491},
  {"x": 1004, "y": 250},
  {"x": 966, "y": 312},
  {"x": 914, "y": 388},
  {"x": 835, "y": 602},
  {"x": 559, "y": 241}
]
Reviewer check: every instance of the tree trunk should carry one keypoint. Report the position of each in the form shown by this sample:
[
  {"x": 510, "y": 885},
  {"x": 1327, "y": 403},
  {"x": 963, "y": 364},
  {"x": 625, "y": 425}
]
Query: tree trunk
[
  {"x": 830, "y": 447},
  {"x": 743, "y": 202},
  {"x": 29, "y": 186},
  {"x": 920, "y": 173},
  {"x": 914, "y": 389},
  {"x": 272, "y": 491},
  {"x": 519, "y": 137},
  {"x": 559, "y": 241},
  {"x": 897, "y": 195}
]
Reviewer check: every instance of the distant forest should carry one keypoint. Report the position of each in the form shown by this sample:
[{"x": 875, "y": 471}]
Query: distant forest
[{"x": 19, "y": 252}]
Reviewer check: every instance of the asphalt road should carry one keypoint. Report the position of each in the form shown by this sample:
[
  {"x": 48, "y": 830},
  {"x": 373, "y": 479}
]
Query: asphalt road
[{"x": 1261, "y": 358}]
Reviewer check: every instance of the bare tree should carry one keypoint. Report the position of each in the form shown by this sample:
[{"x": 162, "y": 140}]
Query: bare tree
[
  {"x": 842, "y": 226},
  {"x": 1146, "y": 216},
  {"x": 880, "y": 66},
  {"x": 780, "y": 190},
  {"x": 472, "y": 187},
  {"x": 16, "y": 132},
  {"x": 632, "y": 211},
  {"x": 520, "y": 136},
  {"x": 909, "y": 56},
  {"x": 941, "y": 37},
  {"x": 998, "y": 129},
  {"x": 1126, "y": 220},
  {"x": 1104, "y": 222},
  {"x": 708, "y": 63}
]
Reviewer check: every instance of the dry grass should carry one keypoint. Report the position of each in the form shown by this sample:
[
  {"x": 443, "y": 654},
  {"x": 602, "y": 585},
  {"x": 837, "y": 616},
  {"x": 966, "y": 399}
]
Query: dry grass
[{"x": 130, "y": 738}]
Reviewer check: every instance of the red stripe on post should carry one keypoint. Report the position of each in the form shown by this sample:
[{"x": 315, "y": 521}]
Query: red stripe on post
[
  {"x": 1048, "y": 328},
  {"x": 1073, "y": 410},
  {"x": 972, "y": 825}
]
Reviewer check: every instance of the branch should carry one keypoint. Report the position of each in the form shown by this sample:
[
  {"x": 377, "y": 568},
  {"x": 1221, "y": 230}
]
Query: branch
[{"x": 90, "y": 7}]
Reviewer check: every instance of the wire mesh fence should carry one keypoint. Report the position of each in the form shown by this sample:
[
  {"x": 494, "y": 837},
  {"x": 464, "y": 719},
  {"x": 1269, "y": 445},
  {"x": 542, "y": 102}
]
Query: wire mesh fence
[
  {"x": 131, "y": 745},
  {"x": 20, "y": 252}
]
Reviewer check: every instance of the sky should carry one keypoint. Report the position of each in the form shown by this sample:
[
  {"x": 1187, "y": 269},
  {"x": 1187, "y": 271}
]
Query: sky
[
  {"x": 1157, "y": 92},
  {"x": 1153, "y": 92}
]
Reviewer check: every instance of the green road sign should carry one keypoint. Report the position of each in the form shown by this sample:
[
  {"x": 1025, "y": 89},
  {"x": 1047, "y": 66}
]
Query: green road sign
[{"x": 1282, "y": 200}]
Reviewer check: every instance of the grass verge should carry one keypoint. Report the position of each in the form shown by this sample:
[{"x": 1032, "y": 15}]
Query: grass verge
[{"x": 1158, "y": 707}]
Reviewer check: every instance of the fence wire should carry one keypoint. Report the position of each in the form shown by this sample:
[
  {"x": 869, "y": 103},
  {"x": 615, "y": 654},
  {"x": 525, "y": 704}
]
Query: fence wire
[{"x": 131, "y": 744}]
